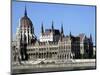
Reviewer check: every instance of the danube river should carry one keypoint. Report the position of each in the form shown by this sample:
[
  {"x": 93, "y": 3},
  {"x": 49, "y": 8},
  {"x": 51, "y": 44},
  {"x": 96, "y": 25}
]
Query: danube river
[{"x": 53, "y": 67}]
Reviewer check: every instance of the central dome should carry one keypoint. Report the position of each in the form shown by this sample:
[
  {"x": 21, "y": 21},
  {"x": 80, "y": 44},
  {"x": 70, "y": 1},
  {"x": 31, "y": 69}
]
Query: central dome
[{"x": 25, "y": 21}]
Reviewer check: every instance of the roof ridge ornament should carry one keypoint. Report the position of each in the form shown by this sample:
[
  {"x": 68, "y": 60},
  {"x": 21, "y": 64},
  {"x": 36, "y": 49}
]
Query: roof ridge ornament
[{"x": 25, "y": 13}]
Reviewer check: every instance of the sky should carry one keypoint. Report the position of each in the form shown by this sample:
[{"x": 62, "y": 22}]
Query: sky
[{"x": 75, "y": 18}]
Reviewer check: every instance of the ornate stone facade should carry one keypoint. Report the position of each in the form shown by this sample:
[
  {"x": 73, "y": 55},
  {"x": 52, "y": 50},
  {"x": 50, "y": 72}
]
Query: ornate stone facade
[{"x": 52, "y": 45}]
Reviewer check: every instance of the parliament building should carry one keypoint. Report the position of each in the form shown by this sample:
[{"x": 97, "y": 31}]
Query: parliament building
[{"x": 52, "y": 44}]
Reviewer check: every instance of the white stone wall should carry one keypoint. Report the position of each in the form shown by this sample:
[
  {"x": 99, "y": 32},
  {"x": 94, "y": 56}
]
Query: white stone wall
[{"x": 44, "y": 38}]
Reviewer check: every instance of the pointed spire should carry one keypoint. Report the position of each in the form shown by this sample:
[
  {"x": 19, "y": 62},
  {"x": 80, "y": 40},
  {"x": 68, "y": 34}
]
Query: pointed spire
[
  {"x": 42, "y": 29},
  {"x": 90, "y": 37},
  {"x": 52, "y": 25},
  {"x": 62, "y": 29},
  {"x": 70, "y": 34},
  {"x": 25, "y": 13}
]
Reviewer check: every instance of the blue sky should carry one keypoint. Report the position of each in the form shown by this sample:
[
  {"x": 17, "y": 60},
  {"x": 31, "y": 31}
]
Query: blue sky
[{"x": 76, "y": 19}]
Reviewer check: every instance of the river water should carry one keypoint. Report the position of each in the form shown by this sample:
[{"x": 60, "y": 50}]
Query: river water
[{"x": 50, "y": 69}]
